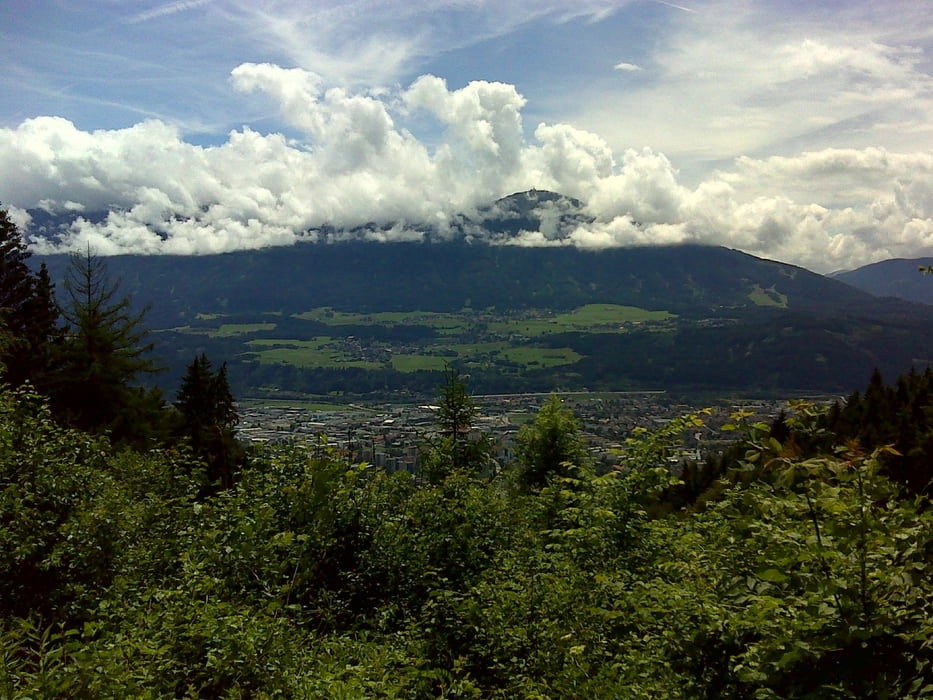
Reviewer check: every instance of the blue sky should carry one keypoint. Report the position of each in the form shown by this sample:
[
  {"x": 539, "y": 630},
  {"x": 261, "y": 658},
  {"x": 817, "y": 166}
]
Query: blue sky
[{"x": 798, "y": 131}]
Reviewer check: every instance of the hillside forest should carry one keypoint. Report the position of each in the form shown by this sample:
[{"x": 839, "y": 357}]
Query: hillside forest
[
  {"x": 145, "y": 553},
  {"x": 342, "y": 317}
]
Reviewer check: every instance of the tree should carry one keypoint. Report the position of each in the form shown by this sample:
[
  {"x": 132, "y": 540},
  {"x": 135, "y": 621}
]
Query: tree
[
  {"x": 457, "y": 449},
  {"x": 105, "y": 352},
  {"x": 16, "y": 279},
  {"x": 43, "y": 335},
  {"x": 27, "y": 312},
  {"x": 552, "y": 440},
  {"x": 208, "y": 416}
]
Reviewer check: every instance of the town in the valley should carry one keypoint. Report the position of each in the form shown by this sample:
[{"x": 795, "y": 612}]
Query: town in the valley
[{"x": 395, "y": 436}]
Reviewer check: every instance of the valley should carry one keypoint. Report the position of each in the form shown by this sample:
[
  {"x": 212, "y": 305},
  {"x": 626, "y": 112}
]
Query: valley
[{"x": 360, "y": 319}]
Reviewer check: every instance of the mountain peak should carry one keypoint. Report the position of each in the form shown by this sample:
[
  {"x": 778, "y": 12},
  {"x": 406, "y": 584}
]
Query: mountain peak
[{"x": 551, "y": 214}]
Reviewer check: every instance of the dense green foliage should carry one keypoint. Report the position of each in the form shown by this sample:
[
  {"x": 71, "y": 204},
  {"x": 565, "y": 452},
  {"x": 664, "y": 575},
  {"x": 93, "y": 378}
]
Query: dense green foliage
[
  {"x": 28, "y": 314},
  {"x": 103, "y": 358},
  {"x": 796, "y": 566},
  {"x": 458, "y": 449},
  {"x": 808, "y": 576},
  {"x": 900, "y": 416},
  {"x": 89, "y": 355},
  {"x": 546, "y": 446}
]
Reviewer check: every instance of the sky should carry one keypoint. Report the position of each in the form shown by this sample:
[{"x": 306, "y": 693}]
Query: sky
[{"x": 797, "y": 130}]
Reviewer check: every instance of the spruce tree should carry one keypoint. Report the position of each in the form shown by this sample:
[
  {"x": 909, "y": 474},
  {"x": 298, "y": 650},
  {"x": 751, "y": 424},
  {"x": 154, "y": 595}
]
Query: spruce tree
[
  {"x": 457, "y": 449},
  {"x": 16, "y": 281},
  {"x": 104, "y": 355},
  {"x": 547, "y": 444},
  {"x": 28, "y": 313},
  {"x": 208, "y": 416}
]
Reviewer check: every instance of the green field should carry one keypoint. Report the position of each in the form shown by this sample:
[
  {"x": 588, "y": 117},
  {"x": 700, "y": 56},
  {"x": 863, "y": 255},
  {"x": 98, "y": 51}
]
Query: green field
[
  {"x": 229, "y": 329},
  {"x": 320, "y": 352},
  {"x": 593, "y": 318},
  {"x": 485, "y": 339},
  {"x": 542, "y": 357},
  {"x": 443, "y": 323},
  {"x": 415, "y": 363},
  {"x": 611, "y": 314},
  {"x": 768, "y": 297}
]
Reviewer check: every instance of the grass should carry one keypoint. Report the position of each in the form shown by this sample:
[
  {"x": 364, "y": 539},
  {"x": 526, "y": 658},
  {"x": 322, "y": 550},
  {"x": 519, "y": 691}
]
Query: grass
[
  {"x": 592, "y": 317},
  {"x": 595, "y": 318},
  {"x": 542, "y": 357},
  {"x": 325, "y": 353},
  {"x": 230, "y": 329},
  {"x": 610, "y": 314},
  {"x": 444, "y": 323},
  {"x": 768, "y": 297},
  {"x": 290, "y": 343},
  {"x": 415, "y": 363},
  {"x": 475, "y": 337}
]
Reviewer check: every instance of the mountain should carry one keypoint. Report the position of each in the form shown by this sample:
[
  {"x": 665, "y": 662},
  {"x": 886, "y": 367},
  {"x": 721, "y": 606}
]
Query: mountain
[
  {"x": 692, "y": 281},
  {"x": 551, "y": 214},
  {"x": 704, "y": 317},
  {"x": 899, "y": 278}
]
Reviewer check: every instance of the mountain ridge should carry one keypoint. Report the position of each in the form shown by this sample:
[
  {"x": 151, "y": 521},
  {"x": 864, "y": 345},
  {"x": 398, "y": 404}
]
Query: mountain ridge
[
  {"x": 738, "y": 321},
  {"x": 896, "y": 277}
]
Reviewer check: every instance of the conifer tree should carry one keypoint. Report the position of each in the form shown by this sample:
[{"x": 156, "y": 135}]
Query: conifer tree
[
  {"x": 105, "y": 353},
  {"x": 28, "y": 313},
  {"x": 208, "y": 416},
  {"x": 15, "y": 276},
  {"x": 551, "y": 441},
  {"x": 458, "y": 449}
]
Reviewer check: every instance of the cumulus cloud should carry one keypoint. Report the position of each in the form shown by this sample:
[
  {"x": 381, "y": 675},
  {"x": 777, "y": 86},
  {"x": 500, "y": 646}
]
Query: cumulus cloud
[
  {"x": 358, "y": 170},
  {"x": 627, "y": 67}
]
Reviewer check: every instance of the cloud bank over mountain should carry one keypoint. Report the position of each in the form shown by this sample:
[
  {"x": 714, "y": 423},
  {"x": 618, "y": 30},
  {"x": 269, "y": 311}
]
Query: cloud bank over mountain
[
  {"x": 360, "y": 165},
  {"x": 799, "y": 133}
]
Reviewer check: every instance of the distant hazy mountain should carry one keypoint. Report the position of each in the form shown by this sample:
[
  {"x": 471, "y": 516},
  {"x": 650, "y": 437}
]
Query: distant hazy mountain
[{"x": 899, "y": 278}]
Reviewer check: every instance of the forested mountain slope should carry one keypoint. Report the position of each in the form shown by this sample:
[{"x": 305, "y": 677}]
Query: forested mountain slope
[
  {"x": 733, "y": 321},
  {"x": 691, "y": 280},
  {"x": 736, "y": 321}
]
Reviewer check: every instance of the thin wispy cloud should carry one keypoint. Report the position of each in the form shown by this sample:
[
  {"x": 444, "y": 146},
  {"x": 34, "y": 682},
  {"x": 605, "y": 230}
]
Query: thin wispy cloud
[
  {"x": 675, "y": 6},
  {"x": 627, "y": 67},
  {"x": 171, "y": 8}
]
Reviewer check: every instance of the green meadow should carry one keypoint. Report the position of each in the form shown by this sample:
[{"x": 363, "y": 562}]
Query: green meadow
[
  {"x": 486, "y": 339},
  {"x": 320, "y": 352}
]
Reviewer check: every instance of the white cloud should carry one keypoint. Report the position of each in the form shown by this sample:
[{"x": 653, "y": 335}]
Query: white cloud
[
  {"x": 358, "y": 164},
  {"x": 361, "y": 43},
  {"x": 759, "y": 78},
  {"x": 167, "y": 10},
  {"x": 627, "y": 67}
]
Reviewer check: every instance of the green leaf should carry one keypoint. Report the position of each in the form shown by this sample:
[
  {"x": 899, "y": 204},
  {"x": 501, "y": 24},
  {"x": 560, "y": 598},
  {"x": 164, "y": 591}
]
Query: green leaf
[{"x": 772, "y": 576}]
